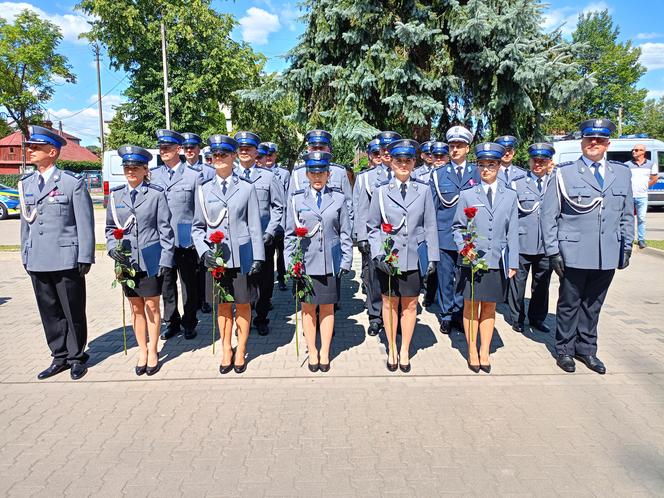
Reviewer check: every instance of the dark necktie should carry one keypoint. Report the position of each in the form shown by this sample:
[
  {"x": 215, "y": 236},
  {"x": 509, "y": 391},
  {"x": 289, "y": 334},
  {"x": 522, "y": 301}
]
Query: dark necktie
[
  {"x": 132, "y": 194},
  {"x": 170, "y": 174},
  {"x": 539, "y": 184},
  {"x": 459, "y": 170},
  {"x": 247, "y": 173},
  {"x": 389, "y": 175},
  {"x": 507, "y": 176},
  {"x": 223, "y": 187},
  {"x": 598, "y": 175},
  {"x": 489, "y": 196},
  {"x": 319, "y": 199},
  {"x": 403, "y": 191},
  {"x": 40, "y": 184}
]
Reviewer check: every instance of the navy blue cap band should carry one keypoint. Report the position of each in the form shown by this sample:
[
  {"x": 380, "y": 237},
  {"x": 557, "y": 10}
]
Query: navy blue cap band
[
  {"x": 541, "y": 153},
  {"x": 168, "y": 140},
  {"x": 222, "y": 147},
  {"x": 602, "y": 131},
  {"x": 403, "y": 151},
  {"x": 489, "y": 154},
  {"x": 135, "y": 157},
  {"x": 39, "y": 138}
]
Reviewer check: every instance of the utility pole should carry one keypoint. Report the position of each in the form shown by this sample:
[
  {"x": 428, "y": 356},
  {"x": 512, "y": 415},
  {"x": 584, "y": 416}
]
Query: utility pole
[
  {"x": 620, "y": 121},
  {"x": 96, "y": 51},
  {"x": 165, "y": 66}
]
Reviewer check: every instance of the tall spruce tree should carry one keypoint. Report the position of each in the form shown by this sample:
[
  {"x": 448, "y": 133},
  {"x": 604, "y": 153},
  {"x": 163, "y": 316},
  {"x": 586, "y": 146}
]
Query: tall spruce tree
[{"x": 420, "y": 67}]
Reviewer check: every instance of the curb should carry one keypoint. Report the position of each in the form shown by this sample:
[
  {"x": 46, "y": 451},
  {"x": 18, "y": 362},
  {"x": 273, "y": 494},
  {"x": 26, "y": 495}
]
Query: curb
[{"x": 652, "y": 252}]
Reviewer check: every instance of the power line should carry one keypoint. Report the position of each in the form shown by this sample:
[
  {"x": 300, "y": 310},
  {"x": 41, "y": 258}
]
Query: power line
[{"x": 94, "y": 103}]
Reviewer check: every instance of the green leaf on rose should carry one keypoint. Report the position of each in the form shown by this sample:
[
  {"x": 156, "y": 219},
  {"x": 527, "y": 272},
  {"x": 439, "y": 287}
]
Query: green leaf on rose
[{"x": 131, "y": 284}]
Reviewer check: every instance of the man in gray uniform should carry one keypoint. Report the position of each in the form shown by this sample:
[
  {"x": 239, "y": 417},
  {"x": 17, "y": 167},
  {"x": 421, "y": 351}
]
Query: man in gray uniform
[
  {"x": 509, "y": 172},
  {"x": 530, "y": 191},
  {"x": 179, "y": 181},
  {"x": 284, "y": 176},
  {"x": 588, "y": 228},
  {"x": 57, "y": 250},
  {"x": 270, "y": 192}
]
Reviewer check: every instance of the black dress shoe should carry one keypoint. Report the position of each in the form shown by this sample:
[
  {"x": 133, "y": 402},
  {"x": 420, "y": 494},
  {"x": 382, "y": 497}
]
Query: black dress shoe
[
  {"x": 282, "y": 285},
  {"x": 206, "y": 308},
  {"x": 78, "y": 370},
  {"x": 54, "y": 369},
  {"x": 241, "y": 368},
  {"x": 169, "y": 332},
  {"x": 445, "y": 327},
  {"x": 263, "y": 329},
  {"x": 324, "y": 367},
  {"x": 404, "y": 368},
  {"x": 153, "y": 370},
  {"x": 426, "y": 302},
  {"x": 140, "y": 369},
  {"x": 473, "y": 368},
  {"x": 518, "y": 327},
  {"x": 224, "y": 369},
  {"x": 313, "y": 367},
  {"x": 189, "y": 333},
  {"x": 592, "y": 362},
  {"x": 541, "y": 326},
  {"x": 566, "y": 362},
  {"x": 485, "y": 368},
  {"x": 374, "y": 329}
]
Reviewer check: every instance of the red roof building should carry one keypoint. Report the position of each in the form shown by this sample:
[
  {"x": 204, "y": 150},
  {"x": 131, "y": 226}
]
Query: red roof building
[{"x": 10, "y": 150}]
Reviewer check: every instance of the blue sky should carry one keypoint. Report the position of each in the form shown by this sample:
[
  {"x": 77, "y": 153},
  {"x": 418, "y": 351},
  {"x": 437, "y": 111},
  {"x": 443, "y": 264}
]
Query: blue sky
[{"x": 272, "y": 27}]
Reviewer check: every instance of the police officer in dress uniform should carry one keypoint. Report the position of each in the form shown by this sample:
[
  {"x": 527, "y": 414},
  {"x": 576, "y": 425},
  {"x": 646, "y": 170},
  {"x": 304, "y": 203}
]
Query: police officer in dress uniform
[
  {"x": 207, "y": 157},
  {"x": 403, "y": 205},
  {"x": 327, "y": 252},
  {"x": 261, "y": 154},
  {"x": 365, "y": 184},
  {"x": 446, "y": 184},
  {"x": 270, "y": 192},
  {"x": 588, "y": 227},
  {"x": 509, "y": 172},
  {"x": 530, "y": 191},
  {"x": 57, "y": 250},
  {"x": 140, "y": 210},
  {"x": 284, "y": 176},
  {"x": 229, "y": 203},
  {"x": 179, "y": 181},
  {"x": 424, "y": 169}
]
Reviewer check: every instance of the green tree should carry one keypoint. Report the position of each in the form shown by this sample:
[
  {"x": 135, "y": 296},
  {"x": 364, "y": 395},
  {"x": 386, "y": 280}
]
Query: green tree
[
  {"x": 651, "y": 119},
  {"x": 205, "y": 65},
  {"x": 29, "y": 62}
]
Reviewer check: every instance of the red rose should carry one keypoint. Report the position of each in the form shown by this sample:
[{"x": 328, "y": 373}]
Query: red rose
[
  {"x": 298, "y": 268},
  {"x": 218, "y": 272},
  {"x": 386, "y": 227},
  {"x": 466, "y": 249},
  {"x": 301, "y": 231},
  {"x": 216, "y": 237},
  {"x": 470, "y": 212},
  {"x": 118, "y": 233}
]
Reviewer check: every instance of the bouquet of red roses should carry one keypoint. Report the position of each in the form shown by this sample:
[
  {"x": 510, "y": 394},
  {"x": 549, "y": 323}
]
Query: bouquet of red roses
[
  {"x": 304, "y": 286},
  {"x": 392, "y": 260},
  {"x": 124, "y": 276},
  {"x": 219, "y": 283}
]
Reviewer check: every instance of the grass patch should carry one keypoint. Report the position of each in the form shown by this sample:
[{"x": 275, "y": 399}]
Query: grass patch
[{"x": 656, "y": 244}]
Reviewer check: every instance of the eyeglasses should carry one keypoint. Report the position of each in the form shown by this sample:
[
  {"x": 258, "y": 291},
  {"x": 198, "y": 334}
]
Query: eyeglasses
[
  {"x": 439, "y": 156},
  {"x": 374, "y": 154},
  {"x": 221, "y": 155}
]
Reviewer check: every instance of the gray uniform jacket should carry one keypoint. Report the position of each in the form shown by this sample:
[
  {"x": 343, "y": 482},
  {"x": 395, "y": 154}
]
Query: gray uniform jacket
[
  {"x": 270, "y": 193},
  {"x": 62, "y": 234},
  {"x": 284, "y": 176},
  {"x": 592, "y": 239},
  {"x": 497, "y": 226},
  {"x": 207, "y": 170},
  {"x": 530, "y": 201},
  {"x": 150, "y": 236},
  {"x": 413, "y": 220},
  {"x": 423, "y": 172},
  {"x": 515, "y": 173},
  {"x": 180, "y": 191},
  {"x": 328, "y": 246},
  {"x": 241, "y": 223},
  {"x": 365, "y": 184},
  {"x": 338, "y": 180}
]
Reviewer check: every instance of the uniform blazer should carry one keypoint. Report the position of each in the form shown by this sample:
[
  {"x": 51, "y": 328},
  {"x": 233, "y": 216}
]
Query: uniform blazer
[
  {"x": 207, "y": 170},
  {"x": 62, "y": 234},
  {"x": 530, "y": 201},
  {"x": 516, "y": 173},
  {"x": 497, "y": 226},
  {"x": 284, "y": 177},
  {"x": 330, "y": 248},
  {"x": 449, "y": 188},
  {"x": 180, "y": 191},
  {"x": 415, "y": 239},
  {"x": 595, "y": 239},
  {"x": 365, "y": 184},
  {"x": 241, "y": 225},
  {"x": 338, "y": 180},
  {"x": 423, "y": 172},
  {"x": 150, "y": 236},
  {"x": 271, "y": 196}
]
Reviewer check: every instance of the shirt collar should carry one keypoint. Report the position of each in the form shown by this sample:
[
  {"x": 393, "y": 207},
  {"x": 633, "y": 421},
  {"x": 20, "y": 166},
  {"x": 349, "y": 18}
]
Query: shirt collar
[
  {"x": 398, "y": 182},
  {"x": 455, "y": 165},
  {"x": 487, "y": 186},
  {"x": 46, "y": 175},
  {"x": 137, "y": 187},
  {"x": 589, "y": 163}
]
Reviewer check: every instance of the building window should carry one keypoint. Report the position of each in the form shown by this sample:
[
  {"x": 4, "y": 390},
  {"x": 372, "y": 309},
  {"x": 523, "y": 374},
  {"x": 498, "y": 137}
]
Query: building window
[{"x": 11, "y": 150}]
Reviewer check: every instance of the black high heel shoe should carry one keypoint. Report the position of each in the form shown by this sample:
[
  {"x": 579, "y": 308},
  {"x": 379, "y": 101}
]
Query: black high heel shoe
[
  {"x": 224, "y": 369},
  {"x": 314, "y": 367},
  {"x": 485, "y": 368},
  {"x": 473, "y": 368},
  {"x": 140, "y": 369},
  {"x": 239, "y": 369},
  {"x": 324, "y": 367},
  {"x": 153, "y": 370},
  {"x": 392, "y": 367}
]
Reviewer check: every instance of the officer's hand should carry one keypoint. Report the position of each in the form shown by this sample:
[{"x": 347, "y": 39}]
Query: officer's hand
[
  {"x": 256, "y": 268},
  {"x": 343, "y": 272},
  {"x": 363, "y": 246},
  {"x": 381, "y": 265},
  {"x": 268, "y": 239},
  {"x": 511, "y": 273},
  {"x": 556, "y": 264},
  {"x": 209, "y": 260},
  {"x": 83, "y": 269},
  {"x": 431, "y": 268},
  {"x": 118, "y": 256},
  {"x": 626, "y": 256}
]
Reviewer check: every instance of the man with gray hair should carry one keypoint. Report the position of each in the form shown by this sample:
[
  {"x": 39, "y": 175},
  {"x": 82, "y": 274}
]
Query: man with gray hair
[{"x": 644, "y": 176}]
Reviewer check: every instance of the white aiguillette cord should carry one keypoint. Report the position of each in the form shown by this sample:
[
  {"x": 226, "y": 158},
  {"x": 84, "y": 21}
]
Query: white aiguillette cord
[
  {"x": 24, "y": 209},
  {"x": 298, "y": 224},
  {"x": 447, "y": 204},
  {"x": 222, "y": 213},
  {"x": 576, "y": 206},
  {"x": 381, "y": 202},
  {"x": 116, "y": 220}
]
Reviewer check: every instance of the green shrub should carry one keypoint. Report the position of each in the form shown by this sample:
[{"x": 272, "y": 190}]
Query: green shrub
[
  {"x": 78, "y": 166},
  {"x": 11, "y": 180}
]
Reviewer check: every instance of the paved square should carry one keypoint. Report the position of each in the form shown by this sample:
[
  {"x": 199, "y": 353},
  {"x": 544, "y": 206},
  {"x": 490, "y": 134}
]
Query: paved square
[{"x": 278, "y": 430}]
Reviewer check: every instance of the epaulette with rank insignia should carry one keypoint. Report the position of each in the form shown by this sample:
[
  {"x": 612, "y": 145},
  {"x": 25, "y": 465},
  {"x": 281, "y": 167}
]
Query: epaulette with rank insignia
[
  {"x": 566, "y": 163},
  {"x": 335, "y": 189},
  {"x": 384, "y": 182},
  {"x": 155, "y": 168},
  {"x": 418, "y": 180},
  {"x": 245, "y": 179},
  {"x": 338, "y": 166},
  {"x": 71, "y": 173},
  {"x": 156, "y": 187},
  {"x": 208, "y": 180},
  {"x": 300, "y": 191},
  {"x": 195, "y": 167},
  {"x": 27, "y": 175},
  {"x": 618, "y": 162},
  {"x": 119, "y": 187}
]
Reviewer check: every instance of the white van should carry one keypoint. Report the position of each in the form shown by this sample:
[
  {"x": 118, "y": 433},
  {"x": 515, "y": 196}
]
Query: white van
[{"x": 621, "y": 150}]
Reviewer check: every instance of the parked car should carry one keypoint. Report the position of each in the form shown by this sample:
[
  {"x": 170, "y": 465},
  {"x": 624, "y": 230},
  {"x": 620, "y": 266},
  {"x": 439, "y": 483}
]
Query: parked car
[
  {"x": 93, "y": 179},
  {"x": 9, "y": 204}
]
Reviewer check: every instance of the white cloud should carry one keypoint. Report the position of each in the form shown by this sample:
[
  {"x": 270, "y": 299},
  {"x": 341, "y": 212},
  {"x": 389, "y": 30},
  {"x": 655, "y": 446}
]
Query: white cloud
[
  {"x": 289, "y": 15},
  {"x": 85, "y": 123},
  {"x": 648, "y": 36},
  {"x": 71, "y": 25},
  {"x": 257, "y": 25},
  {"x": 652, "y": 55},
  {"x": 655, "y": 94},
  {"x": 566, "y": 17}
]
